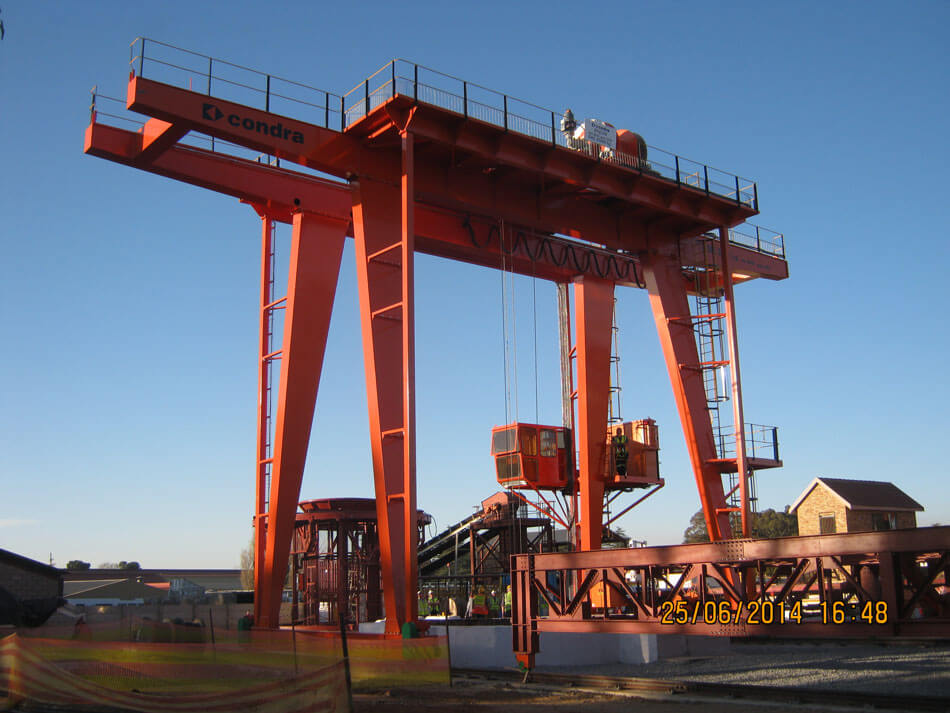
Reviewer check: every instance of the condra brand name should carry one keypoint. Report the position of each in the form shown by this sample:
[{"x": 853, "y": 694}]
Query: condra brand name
[{"x": 278, "y": 130}]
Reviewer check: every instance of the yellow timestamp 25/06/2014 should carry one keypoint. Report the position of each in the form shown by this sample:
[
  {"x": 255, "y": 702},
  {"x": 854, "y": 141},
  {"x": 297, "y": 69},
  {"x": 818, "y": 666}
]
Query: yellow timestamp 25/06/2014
[{"x": 727, "y": 613}]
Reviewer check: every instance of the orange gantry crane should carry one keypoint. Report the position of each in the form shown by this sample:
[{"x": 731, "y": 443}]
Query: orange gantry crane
[{"x": 439, "y": 165}]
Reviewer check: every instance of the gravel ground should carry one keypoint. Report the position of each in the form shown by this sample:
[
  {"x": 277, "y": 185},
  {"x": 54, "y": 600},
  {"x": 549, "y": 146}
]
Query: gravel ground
[
  {"x": 894, "y": 669},
  {"x": 468, "y": 697}
]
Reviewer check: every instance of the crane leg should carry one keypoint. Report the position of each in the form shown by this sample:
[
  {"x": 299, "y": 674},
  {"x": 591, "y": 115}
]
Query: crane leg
[
  {"x": 315, "y": 253},
  {"x": 668, "y": 299},
  {"x": 384, "y": 232},
  {"x": 594, "y": 305}
]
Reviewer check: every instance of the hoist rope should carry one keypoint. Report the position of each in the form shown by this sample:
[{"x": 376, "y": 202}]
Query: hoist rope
[{"x": 534, "y": 300}]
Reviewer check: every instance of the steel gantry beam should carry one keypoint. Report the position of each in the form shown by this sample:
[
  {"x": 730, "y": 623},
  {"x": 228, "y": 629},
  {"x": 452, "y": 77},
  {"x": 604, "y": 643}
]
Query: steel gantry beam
[{"x": 414, "y": 175}]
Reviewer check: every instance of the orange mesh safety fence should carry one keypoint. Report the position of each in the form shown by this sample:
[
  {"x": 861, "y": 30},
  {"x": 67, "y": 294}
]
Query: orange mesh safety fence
[
  {"x": 186, "y": 678},
  {"x": 149, "y": 665},
  {"x": 142, "y": 677},
  {"x": 376, "y": 662}
]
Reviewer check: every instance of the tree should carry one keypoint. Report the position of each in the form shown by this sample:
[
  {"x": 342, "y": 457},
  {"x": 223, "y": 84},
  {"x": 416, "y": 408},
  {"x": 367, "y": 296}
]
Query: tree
[
  {"x": 771, "y": 523},
  {"x": 77, "y": 565},
  {"x": 121, "y": 565},
  {"x": 765, "y": 525},
  {"x": 247, "y": 565},
  {"x": 696, "y": 532}
]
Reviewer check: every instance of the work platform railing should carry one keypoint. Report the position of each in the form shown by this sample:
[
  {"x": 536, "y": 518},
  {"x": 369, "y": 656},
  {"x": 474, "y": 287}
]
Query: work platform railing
[
  {"x": 761, "y": 442},
  {"x": 225, "y": 80},
  {"x": 865, "y": 584},
  {"x": 111, "y": 111}
]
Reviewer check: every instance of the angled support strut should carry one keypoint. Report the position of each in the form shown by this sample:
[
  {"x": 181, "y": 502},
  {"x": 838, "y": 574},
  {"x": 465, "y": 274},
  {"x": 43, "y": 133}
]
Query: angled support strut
[{"x": 315, "y": 253}]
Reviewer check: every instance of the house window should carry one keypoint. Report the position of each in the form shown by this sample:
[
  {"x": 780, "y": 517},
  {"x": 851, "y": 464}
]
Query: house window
[
  {"x": 883, "y": 521},
  {"x": 826, "y": 524}
]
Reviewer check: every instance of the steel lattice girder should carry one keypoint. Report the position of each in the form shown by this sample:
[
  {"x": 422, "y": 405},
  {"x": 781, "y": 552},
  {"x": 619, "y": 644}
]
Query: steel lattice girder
[{"x": 906, "y": 569}]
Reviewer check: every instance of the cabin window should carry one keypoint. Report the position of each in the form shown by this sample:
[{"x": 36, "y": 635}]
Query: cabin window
[
  {"x": 531, "y": 470},
  {"x": 548, "y": 443},
  {"x": 503, "y": 441},
  {"x": 528, "y": 441},
  {"x": 508, "y": 468}
]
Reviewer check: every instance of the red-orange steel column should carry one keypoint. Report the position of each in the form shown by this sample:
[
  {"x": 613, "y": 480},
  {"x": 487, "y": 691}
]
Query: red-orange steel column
[
  {"x": 315, "y": 253},
  {"x": 593, "y": 311},
  {"x": 674, "y": 325},
  {"x": 263, "y": 402},
  {"x": 385, "y": 240},
  {"x": 738, "y": 417}
]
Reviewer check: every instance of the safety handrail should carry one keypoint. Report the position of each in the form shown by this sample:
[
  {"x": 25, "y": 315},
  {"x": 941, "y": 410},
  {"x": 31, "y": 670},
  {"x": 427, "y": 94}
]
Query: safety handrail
[
  {"x": 760, "y": 442},
  {"x": 228, "y": 80},
  {"x": 755, "y": 237}
]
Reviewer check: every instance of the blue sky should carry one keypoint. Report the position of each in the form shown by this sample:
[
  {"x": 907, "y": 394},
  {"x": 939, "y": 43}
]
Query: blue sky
[{"x": 128, "y": 300}]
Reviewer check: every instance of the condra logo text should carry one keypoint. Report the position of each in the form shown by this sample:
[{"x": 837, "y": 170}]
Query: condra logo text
[{"x": 278, "y": 130}]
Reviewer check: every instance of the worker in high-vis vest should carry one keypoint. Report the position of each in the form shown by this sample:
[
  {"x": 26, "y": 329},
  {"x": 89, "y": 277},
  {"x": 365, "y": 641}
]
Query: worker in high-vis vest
[
  {"x": 620, "y": 451},
  {"x": 423, "y": 605},
  {"x": 506, "y": 604},
  {"x": 480, "y": 603},
  {"x": 432, "y": 605}
]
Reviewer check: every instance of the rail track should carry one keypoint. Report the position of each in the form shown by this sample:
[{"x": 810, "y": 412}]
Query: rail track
[{"x": 696, "y": 689}]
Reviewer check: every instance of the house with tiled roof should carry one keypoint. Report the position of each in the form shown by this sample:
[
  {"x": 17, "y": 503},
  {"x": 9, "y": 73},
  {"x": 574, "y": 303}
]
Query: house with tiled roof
[{"x": 833, "y": 505}]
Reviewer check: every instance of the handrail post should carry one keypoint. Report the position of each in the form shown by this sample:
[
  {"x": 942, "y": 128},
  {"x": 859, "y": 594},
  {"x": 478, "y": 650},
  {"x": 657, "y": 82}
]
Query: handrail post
[
  {"x": 210, "y": 60},
  {"x": 676, "y": 159},
  {"x": 758, "y": 241},
  {"x": 393, "y": 67},
  {"x": 415, "y": 82},
  {"x": 326, "y": 109},
  {"x": 366, "y": 98},
  {"x": 267, "y": 95},
  {"x": 142, "y": 58},
  {"x": 505, "y": 99},
  {"x": 755, "y": 195},
  {"x": 775, "y": 442},
  {"x": 465, "y": 99},
  {"x": 342, "y": 113},
  {"x": 706, "y": 177},
  {"x": 738, "y": 194},
  {"x": 553, "y": 131}
]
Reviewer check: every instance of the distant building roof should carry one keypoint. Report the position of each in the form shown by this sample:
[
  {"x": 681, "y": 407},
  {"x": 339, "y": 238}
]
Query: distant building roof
[
  {"x": 209, "y": 579},
  {"x": 78, "y": 586},
  {"x": 129, "y": 589},
  {"x": 27, "y": 563},
  {"x": 864, "y": 495}
]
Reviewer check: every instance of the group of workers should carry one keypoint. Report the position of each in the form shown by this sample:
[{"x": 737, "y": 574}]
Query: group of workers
[{"x": 482, "y": 604}]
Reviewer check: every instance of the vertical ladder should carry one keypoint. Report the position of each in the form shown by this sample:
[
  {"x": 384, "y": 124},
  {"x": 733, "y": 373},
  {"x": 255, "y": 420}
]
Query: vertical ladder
[
  {"x": 614, "y": 413},
  {"x": 709, "y": 327},
  {"x": 268, "y": 355}
]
